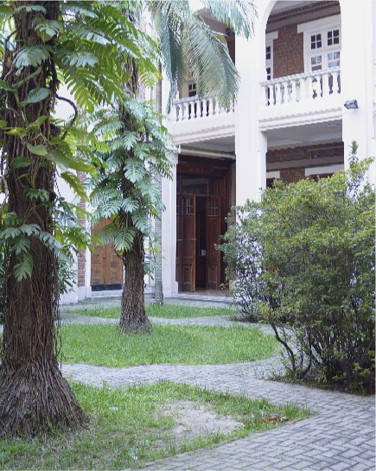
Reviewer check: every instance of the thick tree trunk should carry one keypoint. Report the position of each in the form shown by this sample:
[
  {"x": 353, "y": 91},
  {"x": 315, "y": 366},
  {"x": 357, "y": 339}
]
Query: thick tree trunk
[
  {"x": 133, "y": 316},
  {"x": 34, "y": 396}
]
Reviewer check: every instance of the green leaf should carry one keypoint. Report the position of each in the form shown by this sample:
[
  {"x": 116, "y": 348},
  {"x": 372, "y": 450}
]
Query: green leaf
[
  {"x": 24, "y": 269},
  {"x": 5, "y": 86},
  {"x": 80, "y": 59},
  {"x": 34, "y": 193},
  {"x": 36, "y": 95},
  {"x": 135, "y": 170},
  {"x": 3, "y": 124},
  {"x": 32, "y": 55},
  {"x": 50, "y": 241},
  {"x": 21, "y": 132},
  {"x": 38, "y": 149},
  {"x": 30, "y": 229},
  {"x": 30, "y": 8},
  {"x": 59, "y": 158},
  {"x": 9, "y": 233},
  {"x": 21, "y": 162},
  {"x": 36, "y": 124},
  {"x": 5, "y": 11},
  {"x": 47, "y": 29},
  {"x": 75, "y": 184},
  {"x": 21, "y": 246},
  {"x": 65, "y": 161}
]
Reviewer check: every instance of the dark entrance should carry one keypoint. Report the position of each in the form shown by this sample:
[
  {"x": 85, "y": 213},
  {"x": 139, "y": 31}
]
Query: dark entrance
[{"x": 203, "y": 203}]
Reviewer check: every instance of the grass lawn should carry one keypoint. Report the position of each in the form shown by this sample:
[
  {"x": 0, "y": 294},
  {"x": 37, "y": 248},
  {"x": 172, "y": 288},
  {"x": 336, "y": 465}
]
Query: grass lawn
[
  {"x": 127, "y": 428},
  {"x": 172, "y": 344},
  {"x": 169, "y": 311}
]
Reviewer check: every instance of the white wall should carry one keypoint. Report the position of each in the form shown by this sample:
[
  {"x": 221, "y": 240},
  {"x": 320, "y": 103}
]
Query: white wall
[{"x": 358, "y": 72}]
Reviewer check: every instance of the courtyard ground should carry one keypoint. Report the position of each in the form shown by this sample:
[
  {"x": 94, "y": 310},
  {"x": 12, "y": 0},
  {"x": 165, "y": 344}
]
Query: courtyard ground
[{"x": 339, "y": 436}]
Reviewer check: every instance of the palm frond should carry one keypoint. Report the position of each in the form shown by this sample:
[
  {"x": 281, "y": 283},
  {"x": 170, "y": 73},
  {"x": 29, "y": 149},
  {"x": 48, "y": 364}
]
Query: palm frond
[{"x": 238, "y": 15}]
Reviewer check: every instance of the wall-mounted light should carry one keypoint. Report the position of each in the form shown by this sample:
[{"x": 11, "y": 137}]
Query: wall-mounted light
[{"x": 351, "y": 105}]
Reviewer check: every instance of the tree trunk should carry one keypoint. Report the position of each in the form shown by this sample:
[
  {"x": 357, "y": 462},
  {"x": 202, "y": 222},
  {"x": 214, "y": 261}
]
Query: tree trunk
[
  {"x": 34, "y": 396},
  {"x": 133, "y": 316},
  {"x": 158, "y": 283}
]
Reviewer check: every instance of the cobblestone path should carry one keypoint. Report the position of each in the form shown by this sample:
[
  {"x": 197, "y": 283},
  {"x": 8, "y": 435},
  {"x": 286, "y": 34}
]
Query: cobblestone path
[{"x": 339, "y": 436}]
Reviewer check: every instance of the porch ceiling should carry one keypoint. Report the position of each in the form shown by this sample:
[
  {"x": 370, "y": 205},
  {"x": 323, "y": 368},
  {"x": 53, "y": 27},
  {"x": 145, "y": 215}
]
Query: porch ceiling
[
  {"x": 305, "y": 135},
  {"x": 294, "y": 136},
  {"x": 224, "y": 146}
]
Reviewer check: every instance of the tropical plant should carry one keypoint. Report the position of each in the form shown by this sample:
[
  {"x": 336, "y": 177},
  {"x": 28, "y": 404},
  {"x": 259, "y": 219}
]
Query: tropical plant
[
  {"x": 125, "y": 193},
  {"x": 44, "y": 44},
  {"x": 312, "y": 258}
]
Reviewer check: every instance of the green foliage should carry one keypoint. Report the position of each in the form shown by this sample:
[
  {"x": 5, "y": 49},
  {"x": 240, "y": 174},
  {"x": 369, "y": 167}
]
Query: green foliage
[
  {"x": 310, "y": 273},
  {"x": 125, "y": 191},
  {"x": 86, "y": 48}
]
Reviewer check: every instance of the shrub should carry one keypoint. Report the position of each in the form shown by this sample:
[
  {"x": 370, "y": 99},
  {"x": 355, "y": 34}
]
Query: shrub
[
  {"x": 244, "y": 261},
  {"x": 306, "y": 256}
]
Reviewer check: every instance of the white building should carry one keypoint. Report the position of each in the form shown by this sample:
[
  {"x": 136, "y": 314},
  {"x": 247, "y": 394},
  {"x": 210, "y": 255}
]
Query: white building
[{"x": 305, "y": 62}]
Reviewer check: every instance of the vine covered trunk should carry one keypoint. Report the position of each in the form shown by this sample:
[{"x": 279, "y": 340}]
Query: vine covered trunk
[
  {"x": 34, "y": 396},
  {"x": 133, "y": 316}
]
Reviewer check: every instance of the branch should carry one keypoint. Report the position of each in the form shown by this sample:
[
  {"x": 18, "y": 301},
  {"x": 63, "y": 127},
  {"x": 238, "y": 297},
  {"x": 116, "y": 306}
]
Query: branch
[{"x": 75, "y": 112}]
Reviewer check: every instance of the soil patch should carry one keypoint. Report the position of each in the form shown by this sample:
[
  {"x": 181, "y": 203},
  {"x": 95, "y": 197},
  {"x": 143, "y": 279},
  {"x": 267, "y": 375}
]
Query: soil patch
[{"x": 193, "y": 419}]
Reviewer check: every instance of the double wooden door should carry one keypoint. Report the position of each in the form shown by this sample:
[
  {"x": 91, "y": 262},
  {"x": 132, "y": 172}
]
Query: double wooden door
[{"x": 198, "y": 231}]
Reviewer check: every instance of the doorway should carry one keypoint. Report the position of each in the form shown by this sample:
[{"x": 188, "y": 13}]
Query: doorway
[{"x": 202, "y": 206}]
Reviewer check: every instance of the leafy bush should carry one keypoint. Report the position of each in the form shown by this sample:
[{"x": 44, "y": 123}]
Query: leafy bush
[
  {"x": 245, "y": 265},
  {"x": 305, "y": 256}
]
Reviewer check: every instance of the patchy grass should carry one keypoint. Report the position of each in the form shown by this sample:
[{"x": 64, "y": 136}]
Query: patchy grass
[
  {"x": 168, "y": 311},
  {"x": 171, "y": 344},
  {"x": 127, "y": 428}
]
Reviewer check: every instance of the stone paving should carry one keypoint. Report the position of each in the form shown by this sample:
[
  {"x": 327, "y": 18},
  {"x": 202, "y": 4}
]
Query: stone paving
[{"x": 338, "y": 437}]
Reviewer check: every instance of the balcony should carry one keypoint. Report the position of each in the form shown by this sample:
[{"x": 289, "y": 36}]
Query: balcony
[
  {"x": 301, "y": 99},
  {"x": 195, "y": 119}
]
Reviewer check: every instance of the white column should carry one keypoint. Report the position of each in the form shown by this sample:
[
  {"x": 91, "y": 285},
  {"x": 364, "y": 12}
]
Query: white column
[
  {"x": 358, "y": 78},
  {"x": 170, "y": 286},
  {"x": 250, "y": 143}
]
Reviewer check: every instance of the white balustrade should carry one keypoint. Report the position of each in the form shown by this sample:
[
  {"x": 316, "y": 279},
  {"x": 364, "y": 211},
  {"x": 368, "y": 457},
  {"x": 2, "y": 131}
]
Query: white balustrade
[
  {"x": 296, "y": 88},
  {"x": 199, "y": 108}
]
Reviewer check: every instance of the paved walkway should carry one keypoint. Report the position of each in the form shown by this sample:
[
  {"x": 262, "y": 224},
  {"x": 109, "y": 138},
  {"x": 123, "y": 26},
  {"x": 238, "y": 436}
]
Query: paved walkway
[{"x": 339, "y": 436}]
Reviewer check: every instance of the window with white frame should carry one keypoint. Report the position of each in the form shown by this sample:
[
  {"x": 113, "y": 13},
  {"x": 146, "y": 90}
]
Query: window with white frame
[
  {"x": 322, "y": 43},
  {"x": 269, "y": 54}
]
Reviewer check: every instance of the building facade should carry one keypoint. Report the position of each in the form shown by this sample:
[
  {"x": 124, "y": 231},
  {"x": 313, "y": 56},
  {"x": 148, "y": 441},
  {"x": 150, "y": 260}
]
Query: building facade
[{"x": 307, "y": 91}]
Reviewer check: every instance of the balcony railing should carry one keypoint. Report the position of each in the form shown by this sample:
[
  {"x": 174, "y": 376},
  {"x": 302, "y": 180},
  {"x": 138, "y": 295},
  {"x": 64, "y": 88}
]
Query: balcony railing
[
  {"x": 302, "y": 87},
  {"x": 196, "y": 108}
]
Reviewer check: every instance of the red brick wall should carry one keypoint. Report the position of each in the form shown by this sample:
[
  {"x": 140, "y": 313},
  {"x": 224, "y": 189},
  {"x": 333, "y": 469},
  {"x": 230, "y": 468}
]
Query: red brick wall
[
  {"x": 288, "y": 52},
  {"x": 291, "y": 175},
  {"x": 295, "y": 172}
]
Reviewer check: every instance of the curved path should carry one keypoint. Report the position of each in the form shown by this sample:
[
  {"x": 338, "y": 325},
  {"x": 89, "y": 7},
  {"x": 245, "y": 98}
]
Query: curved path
[{"x": 339, "y": 436}]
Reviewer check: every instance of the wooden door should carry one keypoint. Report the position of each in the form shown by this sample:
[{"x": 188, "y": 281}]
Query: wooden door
[
  {"x": 186, "y": 242},
  {"x": 213, "y": 258},
  {"x": 106, "y": 266}
]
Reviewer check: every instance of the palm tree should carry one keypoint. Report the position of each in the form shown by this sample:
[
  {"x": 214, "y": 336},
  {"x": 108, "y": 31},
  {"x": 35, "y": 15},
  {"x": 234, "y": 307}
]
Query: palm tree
[{"x": 188, "y": 45}]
